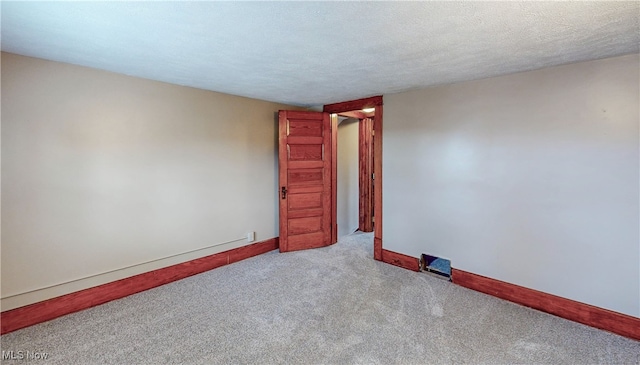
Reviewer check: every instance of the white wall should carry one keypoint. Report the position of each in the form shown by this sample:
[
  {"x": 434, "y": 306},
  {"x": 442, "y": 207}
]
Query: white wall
[
  {"x": 530, "y": 178},
  {"x": 348, "y": 189},
  {"x": 101, "y": 171}
]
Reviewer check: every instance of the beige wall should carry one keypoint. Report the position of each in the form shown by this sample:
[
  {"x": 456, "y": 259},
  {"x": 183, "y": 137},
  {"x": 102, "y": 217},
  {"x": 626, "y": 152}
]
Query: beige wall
[
  {"x": 530, "y": 178},
  {"x": 348, "y": 190},
  {"x": 102, "y": 171}
]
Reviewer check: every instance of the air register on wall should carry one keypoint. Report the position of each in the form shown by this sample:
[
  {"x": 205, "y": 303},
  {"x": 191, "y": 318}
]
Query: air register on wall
[{"x": 436, "y": 265}]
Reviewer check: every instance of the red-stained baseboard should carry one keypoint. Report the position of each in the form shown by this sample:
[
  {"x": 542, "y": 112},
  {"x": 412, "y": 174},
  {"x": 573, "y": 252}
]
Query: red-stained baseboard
[
  {"x": 377, "y": 249},
  {"x": 398, "y": 259},
  {"x": 605, "y": 319},
  {"x": 589, "y": 315},
  {"x": 49, "y": 309}
]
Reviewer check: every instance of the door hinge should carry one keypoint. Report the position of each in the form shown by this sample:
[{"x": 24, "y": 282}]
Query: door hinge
[{"x": 373, "y": 176}]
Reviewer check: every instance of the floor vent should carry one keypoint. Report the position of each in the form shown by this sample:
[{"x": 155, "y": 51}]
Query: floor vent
[{"x": 437, "y": 266}]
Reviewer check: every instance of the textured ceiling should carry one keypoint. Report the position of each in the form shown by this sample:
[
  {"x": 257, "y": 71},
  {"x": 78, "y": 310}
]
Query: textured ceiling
[{"x": 312, "y": 53}]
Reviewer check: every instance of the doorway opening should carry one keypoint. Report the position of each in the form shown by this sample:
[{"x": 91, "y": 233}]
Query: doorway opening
[
  {"x": 355, "y": 172},
  {"x": 368, "y": 113}
]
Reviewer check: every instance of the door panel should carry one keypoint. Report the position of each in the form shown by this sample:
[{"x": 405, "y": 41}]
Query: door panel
[
  {"x": 299, "y": 176},
  {"x": 303, "y": 200},
  {"x": 301, "y": 241},
  {"x": 305, "y": 180},
  {"x": 305, "y": 225},
  {"x": 305, "y": 153}
]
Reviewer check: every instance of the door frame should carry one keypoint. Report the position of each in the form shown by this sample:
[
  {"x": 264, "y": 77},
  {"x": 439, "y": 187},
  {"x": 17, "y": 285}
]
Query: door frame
[
  {"x": 359, "y": 104},
  {"x": 365, "y": 174}
]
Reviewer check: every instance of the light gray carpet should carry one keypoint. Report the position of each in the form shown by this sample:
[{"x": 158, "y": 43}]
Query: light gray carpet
[{"x": 334, "y": 305}]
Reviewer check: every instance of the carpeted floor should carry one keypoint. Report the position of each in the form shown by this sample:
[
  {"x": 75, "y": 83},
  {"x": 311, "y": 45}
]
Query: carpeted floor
[{"x": 334, "y": 305}]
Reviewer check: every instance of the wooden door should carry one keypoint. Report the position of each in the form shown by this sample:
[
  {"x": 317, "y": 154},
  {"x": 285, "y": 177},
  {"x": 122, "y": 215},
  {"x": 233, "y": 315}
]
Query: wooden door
[{"x": 305, "y": 170}]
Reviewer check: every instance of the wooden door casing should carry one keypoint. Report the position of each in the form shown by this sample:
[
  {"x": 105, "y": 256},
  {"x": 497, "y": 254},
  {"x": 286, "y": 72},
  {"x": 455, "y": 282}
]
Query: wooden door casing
[
  {"x": 365, "y": 175},
  {"x": 356, "y": 105},
  {"x": 305, "y": 175}
]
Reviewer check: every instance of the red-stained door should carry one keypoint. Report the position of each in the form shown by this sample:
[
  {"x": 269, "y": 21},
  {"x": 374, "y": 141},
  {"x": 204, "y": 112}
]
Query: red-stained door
[{"x": 305, "y": 170}]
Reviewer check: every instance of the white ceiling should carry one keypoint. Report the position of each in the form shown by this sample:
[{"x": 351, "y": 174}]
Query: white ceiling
[{"x": 312, "y": 53}]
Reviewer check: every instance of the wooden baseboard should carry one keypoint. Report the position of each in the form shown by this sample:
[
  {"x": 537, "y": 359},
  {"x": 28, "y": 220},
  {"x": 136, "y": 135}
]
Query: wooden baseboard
[
  {"x": 398, "y": 259},
  {"x": 377, "y": 249},
  {"x": 605, "y": 319},
  {"x": 31, "y": 314}
]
